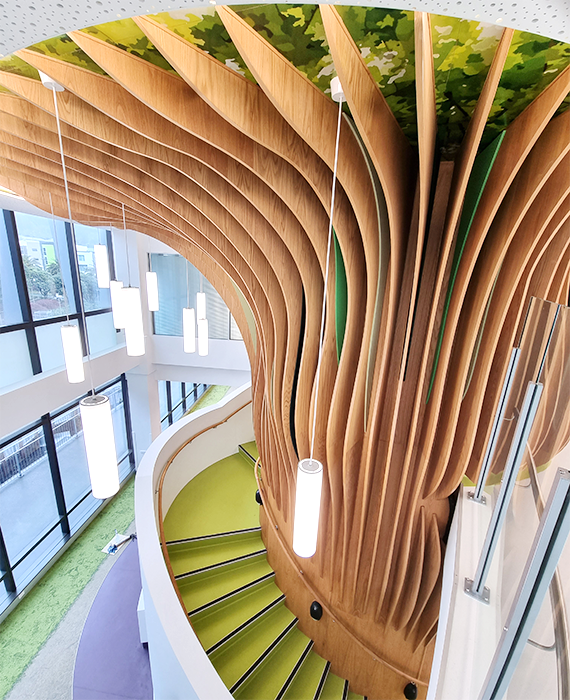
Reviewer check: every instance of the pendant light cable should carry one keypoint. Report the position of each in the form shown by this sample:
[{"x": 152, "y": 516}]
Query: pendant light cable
[
  {"x": 126, "y": 245},
  {"x": 318, "y": 373},
  {"x": 72, "y": 234},
  {"x": 56, "y": 244}
]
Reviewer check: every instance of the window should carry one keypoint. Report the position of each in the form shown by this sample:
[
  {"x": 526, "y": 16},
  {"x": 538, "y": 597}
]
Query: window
[
  {"x": 176, "y": 399},
  {"x": 45, "y": 493}
]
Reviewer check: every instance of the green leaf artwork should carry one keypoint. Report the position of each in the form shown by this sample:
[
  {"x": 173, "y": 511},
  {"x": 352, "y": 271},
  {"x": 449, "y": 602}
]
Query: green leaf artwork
[
  {"x": 297, "y": 32},
  {"x": 463, "y": 51},
  {"x": 64, "y": 48},
  {"x": 386, "y": 42},
  {"x": 532, "y": 64},
  {"x": 13, "y": 64},
  {"x": 205, "y": 29},
  {"x": 126, "y": 35}
]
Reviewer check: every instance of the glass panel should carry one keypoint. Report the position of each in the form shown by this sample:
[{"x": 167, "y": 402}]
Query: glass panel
[
  {"x": 101, "y": 333},
  {"x": 162, "y": 402},
  {"x": 115, "y": 394},
  {"x": 68, "y": 434},
  {"x": 50, "y": 345},
  {"x": 47, "y": 273},
  {"x": 234, "y": 330},
  {"x": 16, "y": 365},
  {"x": 38, "y": 558},
  {"x": 86, "y": 237},
  {"x": 175, "y": 295},
  {"x": 26, "y": 487},
  {"x": 82, "y": 512},
  {"x": 10, "y": 311},
  {"x": 175, "y": 393}
]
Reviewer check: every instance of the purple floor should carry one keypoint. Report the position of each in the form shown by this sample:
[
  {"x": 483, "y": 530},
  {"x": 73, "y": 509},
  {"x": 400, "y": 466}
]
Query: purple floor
[{"x": 111, "y": 662}]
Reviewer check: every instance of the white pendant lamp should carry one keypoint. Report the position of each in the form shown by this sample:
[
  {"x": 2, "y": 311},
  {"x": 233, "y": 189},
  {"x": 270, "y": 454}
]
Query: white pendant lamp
[
  {"x": 134, "y": 331},
  {"x": 102, "y": 266},
  {"x": 117, "y": 304},
  {"x": 310, "y": 471},
  {"x": 202, "y": 336},
  {"x": 95, "y": 410},
  {"x": 152, "y": 291},
  {"x": 307, "y": 507},
  {"x": 73, "y": 353},
  {"x": 100, "y": 445},
  {"x": 189, "y": 330}
]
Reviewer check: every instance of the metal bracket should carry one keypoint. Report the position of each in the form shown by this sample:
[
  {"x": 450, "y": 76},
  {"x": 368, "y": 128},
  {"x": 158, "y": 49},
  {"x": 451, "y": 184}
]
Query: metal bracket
[
  {"x": 484, "y": 597},
  {"x": 482, "y": 501}
]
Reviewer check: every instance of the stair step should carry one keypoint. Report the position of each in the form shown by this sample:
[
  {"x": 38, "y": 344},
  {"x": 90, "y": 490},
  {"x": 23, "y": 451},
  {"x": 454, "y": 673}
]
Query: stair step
[
  {"x": 270, "y": 676},
  {"x": 215, "y": 536},
  {"x": 217, "y": 625},
  {"x": 231, "y": 594},
  {"x": 333, "y": 688},
  {"x": 240, "y": 655},
  {"x": 205, "y": 587},
  {"x": 306, "y": 681},
  {"x": 249, "y": 451},
  {"x": 193, "y": 556},
  {"x": 220, "y": 564}
]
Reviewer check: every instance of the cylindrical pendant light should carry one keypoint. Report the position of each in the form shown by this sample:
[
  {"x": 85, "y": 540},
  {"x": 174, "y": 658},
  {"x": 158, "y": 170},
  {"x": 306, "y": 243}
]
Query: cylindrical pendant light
[
  {"x": 102, "y": 266},
  {"x": 202, "y": 336},
  {"x": 189, "y": 329},
  {"x": 200, "y": 305},
  {"x": 152, "y": 291},
  {"x": 134, "y": 331},
  {"x": 310, "y": 471},
  {"x": 100, "y": 445},
  {"x": 117, "y": 303},
  {"x": 307, "y": 507},
  {"x": 73, "y": 353}
]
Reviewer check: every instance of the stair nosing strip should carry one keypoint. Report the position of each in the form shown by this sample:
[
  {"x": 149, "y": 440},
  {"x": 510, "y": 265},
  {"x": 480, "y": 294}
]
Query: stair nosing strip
[
  {"x": 247, "y": 623},
  {"x": 295, "y": 670},
  {"x": 345, "y": 690},
  {"x": 227, "y": 596},
  {"x": 248, "y": 454},
  {"x": 219, "y": 565},
  {"x": 216, "y": 535},
  {"x": 324, "y": 676},
  {"x": 263, "y": 656}
]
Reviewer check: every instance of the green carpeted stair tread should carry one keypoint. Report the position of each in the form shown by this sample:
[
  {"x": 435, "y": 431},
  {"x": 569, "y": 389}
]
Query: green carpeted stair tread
[
  {"x": 250, "y": 451},
  {"x": 215, "y": 623},
  {"x": 268, "y": 679},
  {"x": 333, "y": 688},
  {"x": 306, "y": 682},
  {"x": 195, "y": 555},
  {"x": 218, "y": 499},
  {"x": 203, "y": 588},
  {"x": 354, "y": 696},
  {"x": 233, "y": 659}
]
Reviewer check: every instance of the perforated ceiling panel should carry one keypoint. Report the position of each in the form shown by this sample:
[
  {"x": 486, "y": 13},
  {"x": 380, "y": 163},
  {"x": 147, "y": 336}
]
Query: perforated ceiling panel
[{"x": 25, "y": 22}]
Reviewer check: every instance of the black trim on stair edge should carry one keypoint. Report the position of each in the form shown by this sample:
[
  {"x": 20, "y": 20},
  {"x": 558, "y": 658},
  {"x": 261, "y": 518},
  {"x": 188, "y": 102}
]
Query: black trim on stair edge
[
  {"x": 263, "y": 656},
  {"x": 322, "y": 682},
  {"x": 219, "y": 565},
  {"x": 200, "y": 538},
  {"x": 242, "y": 448},
  {"x": 251, "y": 584},
  {"x": 295, "y": 670},
  {"x": 245, "y": 624},
  {"x": 345, "y": 691}
]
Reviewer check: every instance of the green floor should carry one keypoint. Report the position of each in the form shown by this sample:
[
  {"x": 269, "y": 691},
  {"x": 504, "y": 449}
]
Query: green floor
[{"x": 26, "y": 629}]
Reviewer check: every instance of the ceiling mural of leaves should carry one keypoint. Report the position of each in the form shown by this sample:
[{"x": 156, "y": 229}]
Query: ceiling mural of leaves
[
  {"x": 64, "y": 48},
  {"x": 125, "y": 34},
  {"x": 386, "y": 42},
  {"x": 297, "y": 32},
  {"x": 204, "y": 28},
  {"x": 532, "y": 64},
  {"x": 462, "y": 54}
]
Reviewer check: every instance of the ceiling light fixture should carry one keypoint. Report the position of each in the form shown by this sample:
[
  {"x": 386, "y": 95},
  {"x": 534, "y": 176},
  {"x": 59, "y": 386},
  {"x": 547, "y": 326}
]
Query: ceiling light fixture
[
  {"x": 102, "y": 266},
  {"x": 188, "y": 321},
  {"x": 95, "y": 410},
  {"x": 131, "y": 307},
  {"x": 310, "y": 471}
]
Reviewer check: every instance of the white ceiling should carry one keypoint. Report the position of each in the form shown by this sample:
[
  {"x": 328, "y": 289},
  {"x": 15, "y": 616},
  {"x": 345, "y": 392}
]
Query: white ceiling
[{"x": 25, "y": 22}]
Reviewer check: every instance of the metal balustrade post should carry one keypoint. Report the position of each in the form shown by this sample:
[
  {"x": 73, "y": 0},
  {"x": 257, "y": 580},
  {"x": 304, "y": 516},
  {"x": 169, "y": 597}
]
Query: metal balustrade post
[
  {"x": 477, "y": 495},
  {"x": 476, "y": 587},
  {"x": 541, "y": 564}
]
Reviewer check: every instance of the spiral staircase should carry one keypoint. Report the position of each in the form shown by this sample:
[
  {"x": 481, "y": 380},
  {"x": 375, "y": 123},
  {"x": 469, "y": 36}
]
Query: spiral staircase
[{"x": 219, "y": 564}]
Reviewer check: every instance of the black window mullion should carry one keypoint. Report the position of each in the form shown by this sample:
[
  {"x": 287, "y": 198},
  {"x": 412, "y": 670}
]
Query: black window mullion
[
  {"x": 169, "y": 403},
  {"x": 22, "y": 287},
  {"x": 55, "y": 473},
  {"x": 183, "y": 391},
  {"x": 5, "y": 567},
  {"x": 128, "y": 423},
  {"x": 76, "y": 284}
]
